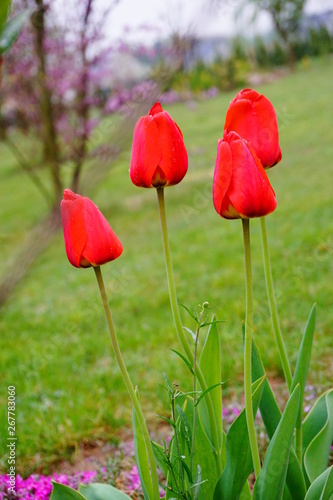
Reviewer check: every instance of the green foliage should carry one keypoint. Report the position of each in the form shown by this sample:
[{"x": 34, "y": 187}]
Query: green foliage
[
  {"x": 183, "y": 474},
  {"x": 96, "y": 491},
  {"x": 221, "y": 74},
  {"x": 271, "y": 481},
  {"x": 4, "y": 11},
  {"x": 11, "y": 30},
  {"x": 315, "y": 43},
  {"x": 93, "y": 491},
  {"x": 210, "y": 364},
  {"x": 318, "y": 436},
  {"x": 271, "y": 415},
  {"x": 322, "y": 487},
  {"x": 320, "y": 41},
  {"x": 62, "y": 492},
  {"x": 303, "y": 359},
  {"x": 238, "y": 453},
  {"x": 141, "y": 456}
]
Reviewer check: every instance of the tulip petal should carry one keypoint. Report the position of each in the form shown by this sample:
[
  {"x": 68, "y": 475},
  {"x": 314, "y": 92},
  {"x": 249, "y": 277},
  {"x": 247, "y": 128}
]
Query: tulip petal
[
  {"x": 222, "y": 177},
  {"x": 102, "y": 245},
  {"x": 174, "y": 160},
  {"x": 146, "y": 152},
  {"x": 250, "y": 191},
  {"x": 74, "y": 229},
  {"x": 241, "y": 188},
  {"x": 159, "y": 157},
  {"x": 253, "y": 117},
  {"x": 89, "y": 239}
]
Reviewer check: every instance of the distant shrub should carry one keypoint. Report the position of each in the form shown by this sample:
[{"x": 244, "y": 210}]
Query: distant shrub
[
  {"x": 320, "y": 41},
  {"x": 315, "y": 43}
]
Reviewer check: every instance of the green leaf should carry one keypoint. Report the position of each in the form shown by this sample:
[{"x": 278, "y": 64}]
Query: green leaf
[
  {"x": 303, "y": 359},
  {"x": 187, "y": 470},
  {"x": 203, "y": 394},
  {"x": 203, "y": 456},
  {"x": 318, "y": 436},
  {"x": 322, "y": 487},
  {"x": 11, "y": 30},
  {"x": 100, "y": 491},
  {"x": 166, "y": 419},
  {"x": 197, "y": 483},
  {"x": 271, "y": 480},
  {"x": 210, "y": 364},
  {"x": 246, "y": 492},
  {"x": 160, "y": 457},
  {"x": 141, "y": 456},
  {"x": 239, "y": 459},
  {"x": 186, "y": 361},
  {"x": 193, "y": 335},
  {"x": 215, "y": 321},
  {"x": 168, "y": 384},
  {"x": 4, "y": 11},
  {"x": 271, "y": 415},
  {"x": 62, "y": 492},
  {"x": 185, "y": 428},
  {"x": 190, "y": 313}
]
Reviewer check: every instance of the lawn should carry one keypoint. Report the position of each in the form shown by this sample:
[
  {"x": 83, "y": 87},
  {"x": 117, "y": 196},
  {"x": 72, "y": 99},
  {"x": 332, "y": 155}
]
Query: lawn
[{"x": 54, "y": 344}]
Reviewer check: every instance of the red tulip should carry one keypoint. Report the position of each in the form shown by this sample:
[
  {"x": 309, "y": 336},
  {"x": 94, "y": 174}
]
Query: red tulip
[
  {"x": 159, "y": 157},
  {"x": 253, "y": 117},
  {"x": 89, "y": 239},
  {"x": 241, "y": 188}
]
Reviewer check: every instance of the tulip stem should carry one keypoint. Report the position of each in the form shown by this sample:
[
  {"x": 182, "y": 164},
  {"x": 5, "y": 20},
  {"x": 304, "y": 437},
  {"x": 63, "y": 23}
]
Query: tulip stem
[
  {"x": 128, "y": 382},
  {"x": 217, "y": 446},
  {"x": 273, "y": 306},
  {"x": 248, "y": 348}
]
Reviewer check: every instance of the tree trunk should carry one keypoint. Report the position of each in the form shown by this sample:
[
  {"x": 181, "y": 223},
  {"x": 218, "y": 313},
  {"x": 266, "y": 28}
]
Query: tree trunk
[
  {"x": 50, "y": 145},
  {"x": 285, "y": 35}
]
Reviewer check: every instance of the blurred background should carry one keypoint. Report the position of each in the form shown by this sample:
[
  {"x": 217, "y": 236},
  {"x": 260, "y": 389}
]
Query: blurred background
[{"x": 73, "y": 83}]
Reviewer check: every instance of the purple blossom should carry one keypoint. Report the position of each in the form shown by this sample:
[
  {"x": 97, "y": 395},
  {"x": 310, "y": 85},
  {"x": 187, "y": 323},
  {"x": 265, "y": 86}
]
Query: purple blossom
[
  {"x": 134, "y": 479},
  {"x": 39, "y": 487}
]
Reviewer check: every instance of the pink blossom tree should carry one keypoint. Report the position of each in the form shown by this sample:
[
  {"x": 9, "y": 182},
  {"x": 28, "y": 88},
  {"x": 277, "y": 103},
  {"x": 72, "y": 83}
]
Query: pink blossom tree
[{"x": 51, "y": 89}]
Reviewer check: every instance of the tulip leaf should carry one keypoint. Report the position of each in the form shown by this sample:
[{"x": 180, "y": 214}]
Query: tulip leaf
[
  {"x": 318, "y": 436},
  {"x": 246, "y": 492},
  {"x": 141, "y": 456},
  {"x": 303, "y": 359},
  {"x": 4, "y": 11},
  {"x": 100, "y": 491},
  {"x": 239, "y": 459},
  {"x": 63, "y": 492},
  {"x": 272, "y": 477},
  {"x": 210, "y": 364},
  {"x": 11, "y": 30},
  {"x": 271, "y": 415},
  {"x": 322, "y": 487}
]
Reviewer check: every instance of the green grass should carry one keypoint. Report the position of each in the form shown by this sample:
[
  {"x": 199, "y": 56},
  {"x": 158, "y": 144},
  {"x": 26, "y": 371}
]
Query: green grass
[{"x": 54, "y": 344}]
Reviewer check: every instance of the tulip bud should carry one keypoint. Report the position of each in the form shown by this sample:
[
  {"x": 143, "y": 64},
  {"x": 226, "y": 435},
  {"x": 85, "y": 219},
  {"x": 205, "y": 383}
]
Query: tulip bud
[
  {"x": 241, "y": 188},
  {"x": 253, "y": 117},
  {"x": 89, "y": 239},
  {"x": 159, "y": 156}
]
